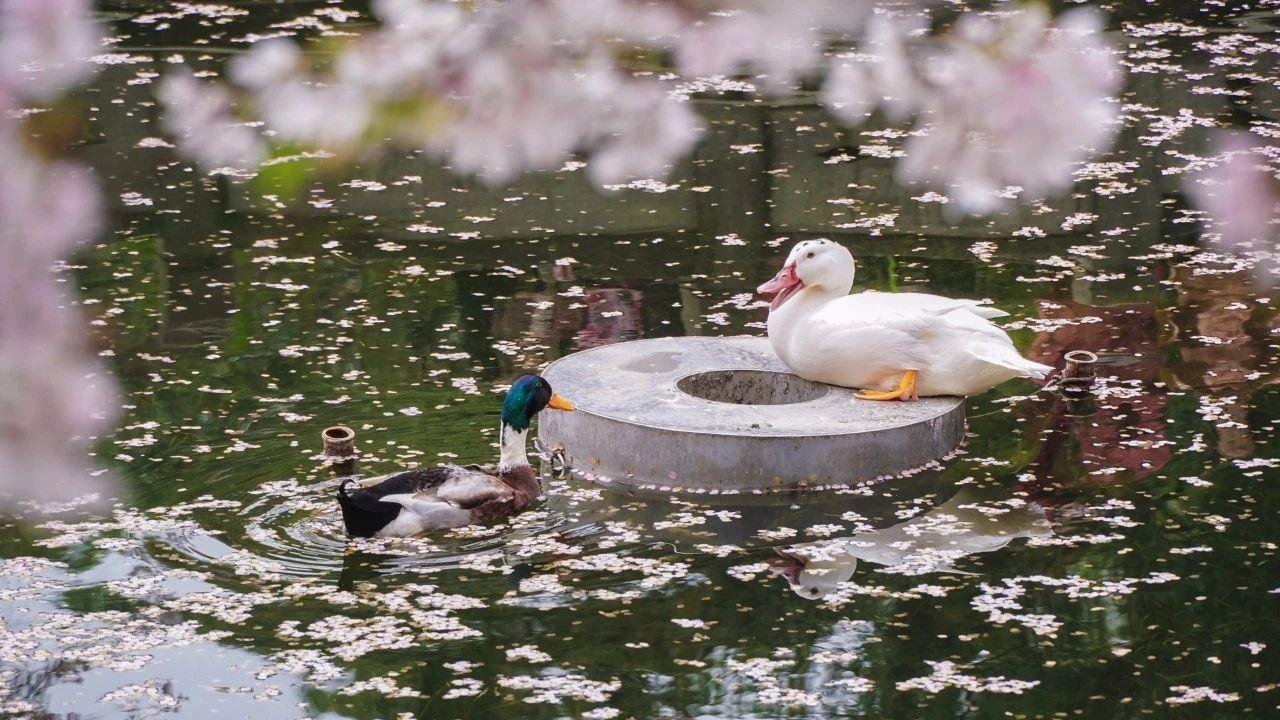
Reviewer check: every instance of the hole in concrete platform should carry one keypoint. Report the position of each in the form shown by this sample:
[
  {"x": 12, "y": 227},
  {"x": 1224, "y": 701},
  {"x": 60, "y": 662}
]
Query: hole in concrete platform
[{"x": 751, "y": 387}]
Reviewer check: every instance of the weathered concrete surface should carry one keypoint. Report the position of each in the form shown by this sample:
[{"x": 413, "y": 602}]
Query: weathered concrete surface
[{"x": 762, "y": 428}]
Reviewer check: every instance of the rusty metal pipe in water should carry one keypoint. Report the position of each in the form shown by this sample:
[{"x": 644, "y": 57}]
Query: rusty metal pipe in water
[
  {"x": 339, "y": 441},
  {"x": 1078, "y": 374}
]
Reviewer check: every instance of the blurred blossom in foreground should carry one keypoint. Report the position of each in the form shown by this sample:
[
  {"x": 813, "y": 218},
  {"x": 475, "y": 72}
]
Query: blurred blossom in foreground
[
  {"x": 1241, "y": 195},
  {"x": 882, "y": 77},
  {"x": 53, "y": 394},
  {"x": 778, "y": 43},
  {"x": 499, "y": 88},
  {"x": 44, "y": 46},
  {"x": 199, "y": 116},
  {"x": 1016, "y": 101},
  {"x": 496, "y": 90}
]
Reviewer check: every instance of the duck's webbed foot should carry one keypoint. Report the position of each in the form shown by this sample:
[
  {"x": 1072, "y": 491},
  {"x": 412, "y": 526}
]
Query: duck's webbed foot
[{"x": 906, "y": 390}]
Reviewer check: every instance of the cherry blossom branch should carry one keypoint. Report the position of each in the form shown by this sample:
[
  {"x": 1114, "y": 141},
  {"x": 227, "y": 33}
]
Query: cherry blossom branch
[{"x": 1014, "y": 99}]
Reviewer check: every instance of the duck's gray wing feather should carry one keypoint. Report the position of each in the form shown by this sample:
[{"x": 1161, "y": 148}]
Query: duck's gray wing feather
[
  {"x": 460, "y": 487},
  {"x": 407, "y": 481},
  {"x": 470, "y": 488}
]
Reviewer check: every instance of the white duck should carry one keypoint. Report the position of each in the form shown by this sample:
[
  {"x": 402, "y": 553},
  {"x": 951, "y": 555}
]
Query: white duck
[{"x": 892, "y": 345}]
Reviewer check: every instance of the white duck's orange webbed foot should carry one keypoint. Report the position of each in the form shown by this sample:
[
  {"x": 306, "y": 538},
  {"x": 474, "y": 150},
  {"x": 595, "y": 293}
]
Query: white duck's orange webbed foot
[{"x": 906, "y": 390}]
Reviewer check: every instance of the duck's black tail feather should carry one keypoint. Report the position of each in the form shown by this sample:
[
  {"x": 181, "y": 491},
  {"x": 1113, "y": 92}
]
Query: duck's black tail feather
[
  {"x": 342, "y": 489},
  {"x": 363, "y": 516}
]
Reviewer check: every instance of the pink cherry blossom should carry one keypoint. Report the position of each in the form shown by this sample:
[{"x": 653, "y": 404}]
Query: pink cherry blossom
[
  {"x": 53, "y": 395},
  {"x": 45, "y": 45},
  {"x": 199, "y": 116},
  {"x": 1241, "y": 194},
  {"x": 1014, "y": 101},
  {"x": 781, "y": 41},
  {"x": 498, "y": 88},
  {"x": 267, "y": 63},
  {"x": 880, "y": 77},
  {"x": 488, "y": 101}
]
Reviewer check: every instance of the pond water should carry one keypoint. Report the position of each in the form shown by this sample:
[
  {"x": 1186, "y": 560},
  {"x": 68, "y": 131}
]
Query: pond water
[{"x": 1111, "y": 558}]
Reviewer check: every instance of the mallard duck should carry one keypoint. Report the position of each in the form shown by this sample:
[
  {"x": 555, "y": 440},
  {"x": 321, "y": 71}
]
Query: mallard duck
[
  {"x": 450, "y": 496},
  {"x": 895, "y": 346}
]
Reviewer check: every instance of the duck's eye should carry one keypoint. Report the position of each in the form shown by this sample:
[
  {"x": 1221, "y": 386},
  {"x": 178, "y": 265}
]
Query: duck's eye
[{"x": 809, "y": 255}]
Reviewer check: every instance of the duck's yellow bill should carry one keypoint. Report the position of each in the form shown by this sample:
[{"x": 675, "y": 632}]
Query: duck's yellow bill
[{"x": 559, "y": 403}]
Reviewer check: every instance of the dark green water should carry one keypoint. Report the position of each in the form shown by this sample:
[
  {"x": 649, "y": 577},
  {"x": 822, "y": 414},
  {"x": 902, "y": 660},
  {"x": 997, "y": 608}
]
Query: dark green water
[{"x": 1115, "y": 559}]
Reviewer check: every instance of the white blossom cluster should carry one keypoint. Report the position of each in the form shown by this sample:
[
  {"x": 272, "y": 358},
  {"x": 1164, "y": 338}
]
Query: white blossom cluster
[
  {"x": 495, "y": 90},
  {"x": 1186, "y": 695}
]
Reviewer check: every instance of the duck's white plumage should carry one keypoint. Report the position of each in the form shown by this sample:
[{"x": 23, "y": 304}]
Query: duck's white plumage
[
  {"x": 869, "y": 339},
  {"x": 447, "y": 505}
]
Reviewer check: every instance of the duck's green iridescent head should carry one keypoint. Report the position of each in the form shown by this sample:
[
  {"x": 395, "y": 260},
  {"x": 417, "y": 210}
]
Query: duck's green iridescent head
[{"x": 528, "y": 396}]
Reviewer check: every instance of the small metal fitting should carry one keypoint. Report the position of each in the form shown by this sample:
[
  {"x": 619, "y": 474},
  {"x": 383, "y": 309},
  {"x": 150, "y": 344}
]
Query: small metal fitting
[{"x": 559, "y": 464}]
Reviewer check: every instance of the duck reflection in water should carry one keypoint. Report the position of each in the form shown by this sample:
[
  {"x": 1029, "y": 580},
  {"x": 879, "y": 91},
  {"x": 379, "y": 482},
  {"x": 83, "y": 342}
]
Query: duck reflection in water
[
  {"x": 1220, "y": 328},
  {"x": 970, "y": 522},
  {"x": 612, "y": 315},
  {"x": 537, "y": 325}
]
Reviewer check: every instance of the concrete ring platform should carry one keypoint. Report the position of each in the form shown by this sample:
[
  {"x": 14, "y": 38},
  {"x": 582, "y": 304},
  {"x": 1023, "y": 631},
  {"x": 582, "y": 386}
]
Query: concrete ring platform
[{"x": 725, "y": 414}]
